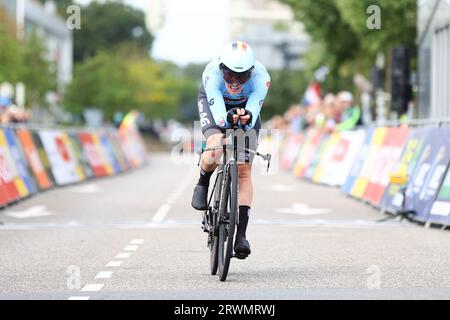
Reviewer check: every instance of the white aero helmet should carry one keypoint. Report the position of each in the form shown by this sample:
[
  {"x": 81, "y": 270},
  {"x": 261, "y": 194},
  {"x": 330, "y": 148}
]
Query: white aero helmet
[{"x": 237, "y": 56}]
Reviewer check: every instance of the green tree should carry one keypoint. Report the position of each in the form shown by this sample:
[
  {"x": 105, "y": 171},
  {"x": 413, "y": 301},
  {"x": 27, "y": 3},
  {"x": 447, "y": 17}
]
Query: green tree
[
  {"x": 39, "y": 75},
  {"x": 123, "y": 81},
  {"x": 286, "y": 88},
  {"x": 10, "y": 52},
  {"x": 99, "y": 82},
  {"x": 342, "y": 39},
  {"x": 25, "y": 62},
  {"x": 398, "y": 23},
  {"x": 338, "y": 45},
  {"x": 106, "y": 25}
]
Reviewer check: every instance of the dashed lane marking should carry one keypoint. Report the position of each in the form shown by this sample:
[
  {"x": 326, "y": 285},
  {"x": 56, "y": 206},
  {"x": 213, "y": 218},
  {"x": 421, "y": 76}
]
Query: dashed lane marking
[
  {"x": 130, "y": 248},
  {"x": 92, "y": 287},
  {"x": 79, "y": 298},
  {"x": 114, "y": 264},
  {"x": 104, "y": 275}
]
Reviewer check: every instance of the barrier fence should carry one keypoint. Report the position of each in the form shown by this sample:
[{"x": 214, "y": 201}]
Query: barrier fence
[
  {"x": 37, "y": 159},
  {"x": 360, "y": 162}
]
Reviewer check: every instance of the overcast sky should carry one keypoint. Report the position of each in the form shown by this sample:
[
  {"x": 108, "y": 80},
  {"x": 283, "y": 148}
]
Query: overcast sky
[{"x": 194, "y": 30}]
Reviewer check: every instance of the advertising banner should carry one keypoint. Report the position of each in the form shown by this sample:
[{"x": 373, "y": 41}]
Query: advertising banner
[
  {"x": 440, "y": 210},
  {"x": 344, "y": 156},
  {"x": 393, "y": 198},
  {"x": 133, "y": 147},
  {"x": 12, "y": 184},
  {"x": 64, "y": 165},
  {"x": 32, "y": 156},
  {"x": 93, "y": 153},
  {"x": 290, "y": 150},
  {"x": 43, "y": 156},
  {"x": 306, "y": 153},
  {"x": 118, "y": 151},
  {"x": 79, "y": 154},
  {"x": 102, "y": 153},
  {"x": 317, "y": 155},
  {"x": 20, "y": 162},
  {"x": 363, "y": 179},
  {"x": 323, "y": 157},
  {"x": 388, "y": 156},
  {"x": 109, "y": 152},
  {"x": 358, "y": 163},
  {"x": 423, "y": 187}
]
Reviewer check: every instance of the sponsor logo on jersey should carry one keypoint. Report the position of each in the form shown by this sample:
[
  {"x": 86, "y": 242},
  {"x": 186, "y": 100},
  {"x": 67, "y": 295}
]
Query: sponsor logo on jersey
[
  {"x": 200, "y": 106},
  {"x": 204, "y": 119}
]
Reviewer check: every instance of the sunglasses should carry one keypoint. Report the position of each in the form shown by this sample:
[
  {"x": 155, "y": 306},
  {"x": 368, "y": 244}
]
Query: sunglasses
[{"x": 230, "y": 76}]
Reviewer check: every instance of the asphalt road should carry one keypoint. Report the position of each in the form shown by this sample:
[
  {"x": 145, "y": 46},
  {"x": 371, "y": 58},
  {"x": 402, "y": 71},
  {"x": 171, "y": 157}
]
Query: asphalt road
[{"x": 135, "y": 236}]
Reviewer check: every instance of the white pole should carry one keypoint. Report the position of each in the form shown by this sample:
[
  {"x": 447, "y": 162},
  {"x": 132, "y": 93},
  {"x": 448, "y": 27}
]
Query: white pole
[{"x": 20, "y": 19}]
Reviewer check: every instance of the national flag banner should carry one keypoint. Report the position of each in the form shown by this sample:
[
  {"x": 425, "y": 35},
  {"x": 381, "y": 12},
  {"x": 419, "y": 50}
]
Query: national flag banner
[{"x": 312, "y": 95}]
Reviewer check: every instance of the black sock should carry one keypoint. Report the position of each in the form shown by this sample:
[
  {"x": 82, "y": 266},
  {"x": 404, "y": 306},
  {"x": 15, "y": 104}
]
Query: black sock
[
  {"x": 243, "y": 221},
  {"x": 204, "y": 178}
]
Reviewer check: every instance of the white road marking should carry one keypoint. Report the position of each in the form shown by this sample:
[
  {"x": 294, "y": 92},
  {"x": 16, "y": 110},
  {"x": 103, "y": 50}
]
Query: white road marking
[
  {"x": 103, "y": 275},
  {"x": 89, "y": 188},
  {"x": 130, "y": 248},
  {"x": 114, "y": 263},
  {"x": 137, "y": 241},
  {"x": 93, "y": 287},
  {"x": 161, "y": 213},
  {"x": 79, "y": 298},
  {"x": 164, "y": 209},
  {"x": 32, "y": 212},
  {"x": 303, "y": 209},
  {"x": 123, "y": 255},
  {"x": 280, "y": 188}
]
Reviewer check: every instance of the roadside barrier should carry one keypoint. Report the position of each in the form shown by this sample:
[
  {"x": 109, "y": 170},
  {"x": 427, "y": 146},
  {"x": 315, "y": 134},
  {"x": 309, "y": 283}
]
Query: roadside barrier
[
  {"x": 36, "y": 159},
  {"x": 361, "y": 162}
]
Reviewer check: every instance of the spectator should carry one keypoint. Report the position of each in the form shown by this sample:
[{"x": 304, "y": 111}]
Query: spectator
[
  {"x": 331, "y": 113},
  {"x": 349, "y": 114}
]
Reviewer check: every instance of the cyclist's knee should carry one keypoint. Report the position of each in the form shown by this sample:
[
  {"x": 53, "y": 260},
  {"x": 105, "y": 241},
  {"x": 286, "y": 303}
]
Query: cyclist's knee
[
  {"x": 244, "y": 171},
  {"x": 213, "y": 141}
]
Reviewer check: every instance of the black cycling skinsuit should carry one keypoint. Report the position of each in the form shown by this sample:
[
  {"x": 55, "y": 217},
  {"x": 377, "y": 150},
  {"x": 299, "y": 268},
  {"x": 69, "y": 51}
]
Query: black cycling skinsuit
[{"x": 209, "y": 126}]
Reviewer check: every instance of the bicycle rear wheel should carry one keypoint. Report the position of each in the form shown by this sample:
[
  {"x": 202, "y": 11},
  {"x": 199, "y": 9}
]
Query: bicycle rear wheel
[{"x": 227, "y": 220}]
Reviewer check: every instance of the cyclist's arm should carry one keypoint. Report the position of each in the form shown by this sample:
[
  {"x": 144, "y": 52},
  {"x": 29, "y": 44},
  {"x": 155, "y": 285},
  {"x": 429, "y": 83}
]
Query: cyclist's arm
[
  {"x": 256, "y": 98},
  {"x": 216, "y": 102}
]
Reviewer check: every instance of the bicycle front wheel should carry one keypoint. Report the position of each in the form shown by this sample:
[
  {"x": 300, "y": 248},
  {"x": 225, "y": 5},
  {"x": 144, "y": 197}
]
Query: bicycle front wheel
[
  {"x": 227, "y": 219},
  {"x": 214, "y": 238}
]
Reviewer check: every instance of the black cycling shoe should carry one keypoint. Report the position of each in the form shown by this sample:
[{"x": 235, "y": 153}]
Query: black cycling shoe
[
  {"x": 241, "y": 248},
  {"x": 200, "y": 198}
]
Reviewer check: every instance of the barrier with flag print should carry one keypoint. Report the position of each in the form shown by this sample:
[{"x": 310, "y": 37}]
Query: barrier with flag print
[
  {"x": 32, "y": 160},
  {"x": 360, "y": 163}
]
